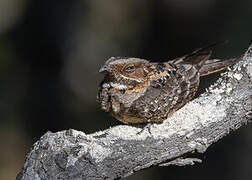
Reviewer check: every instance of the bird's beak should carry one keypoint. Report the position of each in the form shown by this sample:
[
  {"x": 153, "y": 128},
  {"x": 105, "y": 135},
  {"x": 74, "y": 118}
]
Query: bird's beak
[{"x": 105, "y": 69}]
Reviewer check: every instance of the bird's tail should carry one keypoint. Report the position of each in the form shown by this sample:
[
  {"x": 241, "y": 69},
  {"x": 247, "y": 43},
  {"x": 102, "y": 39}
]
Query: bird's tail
[{"x": 215, "y": 65}]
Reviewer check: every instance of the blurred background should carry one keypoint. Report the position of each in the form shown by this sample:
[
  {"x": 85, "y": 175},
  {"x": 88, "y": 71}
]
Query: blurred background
[{"x": 51, "y": 51}]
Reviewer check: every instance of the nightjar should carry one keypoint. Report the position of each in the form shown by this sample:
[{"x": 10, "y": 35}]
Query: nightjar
[{"x": 137, "y": 91}]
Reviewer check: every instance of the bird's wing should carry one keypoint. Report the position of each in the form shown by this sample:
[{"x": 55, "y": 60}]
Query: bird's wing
[{"x": 197, "y": 57}]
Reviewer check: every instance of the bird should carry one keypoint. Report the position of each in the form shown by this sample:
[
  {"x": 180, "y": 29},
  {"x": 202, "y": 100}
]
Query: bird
[{"x": 138, "y": 91}]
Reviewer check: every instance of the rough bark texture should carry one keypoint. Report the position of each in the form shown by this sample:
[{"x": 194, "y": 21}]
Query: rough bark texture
[{"x": 122, "y": 150}]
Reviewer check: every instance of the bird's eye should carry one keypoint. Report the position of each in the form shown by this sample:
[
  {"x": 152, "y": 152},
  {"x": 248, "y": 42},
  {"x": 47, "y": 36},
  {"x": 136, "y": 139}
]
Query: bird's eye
[{"x": 129, "y": 68}]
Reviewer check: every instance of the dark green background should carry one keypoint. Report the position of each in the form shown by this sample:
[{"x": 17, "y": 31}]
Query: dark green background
[{"x": 51, "y": 50}]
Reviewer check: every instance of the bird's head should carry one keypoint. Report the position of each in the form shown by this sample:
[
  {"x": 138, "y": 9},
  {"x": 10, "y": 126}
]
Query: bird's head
[{"x": 126, "y": 70}]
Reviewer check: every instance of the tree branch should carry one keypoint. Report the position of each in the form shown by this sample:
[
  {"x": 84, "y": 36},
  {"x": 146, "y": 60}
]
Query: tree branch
[{"x": 122, "y": 150}]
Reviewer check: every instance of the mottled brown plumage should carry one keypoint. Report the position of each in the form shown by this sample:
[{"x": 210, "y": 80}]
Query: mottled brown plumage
[{"x": 137, "y": 91}]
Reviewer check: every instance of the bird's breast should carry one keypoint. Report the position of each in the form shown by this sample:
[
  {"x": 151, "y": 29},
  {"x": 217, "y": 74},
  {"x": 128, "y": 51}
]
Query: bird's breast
[{"x": 117, "y": 97}]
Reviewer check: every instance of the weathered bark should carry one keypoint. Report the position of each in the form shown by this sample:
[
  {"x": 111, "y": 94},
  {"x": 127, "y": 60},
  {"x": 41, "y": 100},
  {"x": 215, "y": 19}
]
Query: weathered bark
[{"x": 122, "y": 150}]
